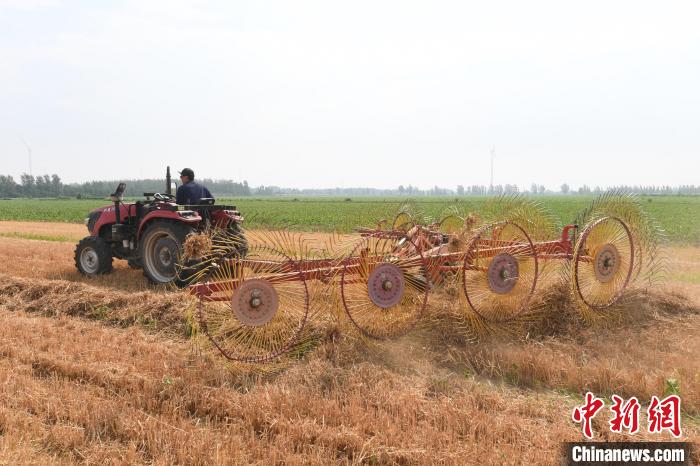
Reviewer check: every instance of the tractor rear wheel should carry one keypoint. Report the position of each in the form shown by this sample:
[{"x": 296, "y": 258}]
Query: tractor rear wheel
[
  {"x": 241, "y": 249},
  {"x": 93, "y": 256},
  {"x": 161, "y": 248}
]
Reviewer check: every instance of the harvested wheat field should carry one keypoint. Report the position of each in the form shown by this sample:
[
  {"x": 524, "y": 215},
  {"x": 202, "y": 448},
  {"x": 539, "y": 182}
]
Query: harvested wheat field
[{"x": 107, "y": 371}]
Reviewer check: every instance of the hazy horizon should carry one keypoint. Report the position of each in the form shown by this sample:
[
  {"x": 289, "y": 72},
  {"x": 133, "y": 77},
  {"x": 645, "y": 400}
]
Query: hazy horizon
[{"x": 316, "y": 94}]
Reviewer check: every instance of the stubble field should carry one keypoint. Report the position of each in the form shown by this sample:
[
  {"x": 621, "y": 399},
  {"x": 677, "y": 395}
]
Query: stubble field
[{"x": 104, "y": 371}]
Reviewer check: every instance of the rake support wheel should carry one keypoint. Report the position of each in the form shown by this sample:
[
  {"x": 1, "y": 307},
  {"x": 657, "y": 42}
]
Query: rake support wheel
[
  {"x": 384, "y": 290},
  {"x": 500, "y": 271},
  {"x": 258, "y": 306},
  {"x": 603, "y": 262}
]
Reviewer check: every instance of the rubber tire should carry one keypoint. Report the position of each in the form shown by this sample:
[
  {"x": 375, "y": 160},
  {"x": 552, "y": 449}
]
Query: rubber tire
[
  {"x": 177, "y": 231},
  {"x": 103, "y": 251}
]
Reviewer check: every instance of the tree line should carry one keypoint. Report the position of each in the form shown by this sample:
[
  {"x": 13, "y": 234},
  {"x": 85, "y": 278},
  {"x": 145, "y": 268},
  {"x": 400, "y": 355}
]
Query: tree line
[{"x": 52, "y": 186}]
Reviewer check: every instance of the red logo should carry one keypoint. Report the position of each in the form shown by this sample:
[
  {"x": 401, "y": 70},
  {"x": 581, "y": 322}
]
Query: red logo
[
  {"x": 665, "y": 415},
  {"x": 585, "y": 414},
  {"x": 662, "y": 414},
  {"x": 625, "y": 415}
]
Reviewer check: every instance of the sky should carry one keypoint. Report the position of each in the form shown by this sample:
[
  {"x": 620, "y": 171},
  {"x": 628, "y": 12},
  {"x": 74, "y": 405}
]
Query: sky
[{"x": 362, "y": 93}]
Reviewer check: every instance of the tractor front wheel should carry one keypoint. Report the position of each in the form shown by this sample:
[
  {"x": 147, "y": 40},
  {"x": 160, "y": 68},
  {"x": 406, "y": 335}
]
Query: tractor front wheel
[
  {"x": 161, "y": 247},
  {"x": 93, "y": 256}
]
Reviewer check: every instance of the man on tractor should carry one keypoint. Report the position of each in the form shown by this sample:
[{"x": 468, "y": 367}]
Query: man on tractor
[{"x": 191, "y": 192}]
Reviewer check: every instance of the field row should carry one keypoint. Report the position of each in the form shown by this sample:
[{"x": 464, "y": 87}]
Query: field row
[{"x": 678, "y": 215}]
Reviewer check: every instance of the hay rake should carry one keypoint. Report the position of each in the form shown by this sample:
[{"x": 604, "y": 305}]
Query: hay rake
[{"x": 254, "y": 309}]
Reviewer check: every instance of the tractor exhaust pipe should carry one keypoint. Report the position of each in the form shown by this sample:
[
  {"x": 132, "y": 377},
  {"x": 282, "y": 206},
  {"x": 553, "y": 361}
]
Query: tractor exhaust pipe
[
  {"x": 168, "y": 188},
  {"x": 117, "y": 197}
]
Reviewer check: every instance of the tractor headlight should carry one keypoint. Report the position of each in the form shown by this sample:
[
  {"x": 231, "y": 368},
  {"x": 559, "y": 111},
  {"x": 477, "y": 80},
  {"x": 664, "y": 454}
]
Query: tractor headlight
[{"x": 86, "y": 220}]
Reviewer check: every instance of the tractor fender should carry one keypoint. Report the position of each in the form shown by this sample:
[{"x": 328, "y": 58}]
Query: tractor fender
[
  {"x": 183, "y": 216},
  {"x": 222, "y": 218}
]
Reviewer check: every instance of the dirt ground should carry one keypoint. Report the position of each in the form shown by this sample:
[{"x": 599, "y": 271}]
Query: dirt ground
[
  {"x": 73, "y": 231},
  {"x": 103, "y": 370}
]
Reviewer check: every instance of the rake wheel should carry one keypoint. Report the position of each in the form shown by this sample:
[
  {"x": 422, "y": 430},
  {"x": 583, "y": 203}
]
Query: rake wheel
[
  {"x": 258, "y": 306},
  {"x": 208, "y": 248},
  {"x": 603, "y": 262},
  {"x": 451, "y": 224},
  {"x": 403, "y": 222},
  {"x": 639, "y": 256},
  {"x": 500, "y": 271},
  {"x": 384, "y": 292}
]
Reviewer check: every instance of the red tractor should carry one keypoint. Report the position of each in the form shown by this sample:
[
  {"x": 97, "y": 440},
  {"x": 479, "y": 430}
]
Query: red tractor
[{"x": 150, "y": 234}]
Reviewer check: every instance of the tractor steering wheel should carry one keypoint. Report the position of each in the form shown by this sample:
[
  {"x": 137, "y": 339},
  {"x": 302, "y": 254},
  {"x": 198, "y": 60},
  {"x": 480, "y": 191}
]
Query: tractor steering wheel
[{"x": 163, "y": 197}]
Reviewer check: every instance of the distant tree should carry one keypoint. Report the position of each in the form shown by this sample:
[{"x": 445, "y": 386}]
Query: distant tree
[
  {"x": 8, "y": 187},
  {"x": 43, "y": 186},
  {"x": 56, "y": 185},
  {"x": 27, "y": 184},
  {"x": 39, "y": 187},
  {"x": 478, "y": 190},
  {"x": 267, "y": 190},
  {"x": 52, "y": 185}
]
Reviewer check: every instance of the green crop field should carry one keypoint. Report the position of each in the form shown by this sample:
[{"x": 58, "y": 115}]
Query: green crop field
[{"x": 678, "y": 215}]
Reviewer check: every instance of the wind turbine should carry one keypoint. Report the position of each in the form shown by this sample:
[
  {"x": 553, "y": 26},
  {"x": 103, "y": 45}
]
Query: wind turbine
[
  {"x": 493, "y": 154},
  {"x": 29, "y": 154}
]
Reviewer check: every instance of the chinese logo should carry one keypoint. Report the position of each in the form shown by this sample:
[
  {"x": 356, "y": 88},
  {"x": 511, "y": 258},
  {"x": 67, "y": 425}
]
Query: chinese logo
[{"x": 662, "y": 415}]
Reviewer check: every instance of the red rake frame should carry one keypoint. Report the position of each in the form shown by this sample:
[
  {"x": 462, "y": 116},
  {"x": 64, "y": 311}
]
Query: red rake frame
[{"x": 417, "y": 252}]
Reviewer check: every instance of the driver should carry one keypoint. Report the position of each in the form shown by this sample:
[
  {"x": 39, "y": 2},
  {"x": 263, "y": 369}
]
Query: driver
[{"x": 191, "y": 192}]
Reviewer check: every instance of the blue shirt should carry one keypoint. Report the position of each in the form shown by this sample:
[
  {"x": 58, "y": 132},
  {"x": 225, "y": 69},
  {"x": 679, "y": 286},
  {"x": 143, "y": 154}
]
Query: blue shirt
[{"x": 191, "y": 193}]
